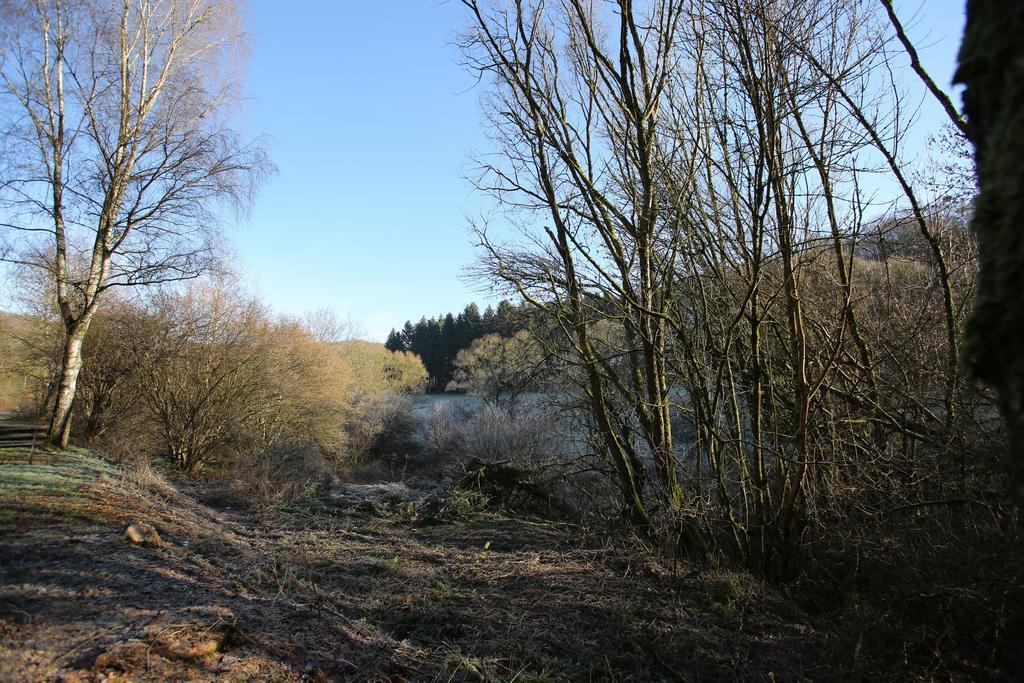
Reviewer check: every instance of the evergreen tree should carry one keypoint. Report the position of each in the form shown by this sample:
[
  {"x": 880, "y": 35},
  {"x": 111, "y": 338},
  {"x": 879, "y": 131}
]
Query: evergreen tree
[
  {"x": 437, "y": 341},
  {"x": 395, "y": 342},
  {"x": 487, "y": 321},
  {"x": 505, "y": 318}
]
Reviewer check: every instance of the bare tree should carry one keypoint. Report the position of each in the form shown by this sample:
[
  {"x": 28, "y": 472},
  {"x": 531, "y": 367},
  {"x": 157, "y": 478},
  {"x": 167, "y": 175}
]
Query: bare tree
[
  {"x": 120, "y": 149},
  {"x": 576, "y": 109},
  {"x": 690, "y": 184},
  {"x": 497, "y": 369},
  {"x": 954, "y": 116}
]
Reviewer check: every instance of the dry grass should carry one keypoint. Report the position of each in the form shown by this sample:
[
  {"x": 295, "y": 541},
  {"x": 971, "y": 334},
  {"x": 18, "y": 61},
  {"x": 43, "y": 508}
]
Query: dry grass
[
  {"x": 344, "y": 585},
  {"x": 277, "y": 476}
]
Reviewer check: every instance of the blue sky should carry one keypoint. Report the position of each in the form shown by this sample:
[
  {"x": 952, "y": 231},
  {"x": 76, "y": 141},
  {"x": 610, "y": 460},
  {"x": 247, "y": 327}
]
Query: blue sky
[
  {"x": 371, "y": 121},
  {"x": 370, "y": 124}
]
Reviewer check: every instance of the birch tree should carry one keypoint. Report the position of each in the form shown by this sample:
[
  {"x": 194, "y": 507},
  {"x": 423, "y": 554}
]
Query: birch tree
[{"x": 120, "y": 150}]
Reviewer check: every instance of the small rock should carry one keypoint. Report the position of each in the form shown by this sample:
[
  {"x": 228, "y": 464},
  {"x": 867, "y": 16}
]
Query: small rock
[{"x": 141, "y": 533}]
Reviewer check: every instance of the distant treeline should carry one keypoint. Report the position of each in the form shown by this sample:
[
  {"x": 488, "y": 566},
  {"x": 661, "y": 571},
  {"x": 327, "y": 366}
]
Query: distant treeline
[{"x": 438, "y": 340}]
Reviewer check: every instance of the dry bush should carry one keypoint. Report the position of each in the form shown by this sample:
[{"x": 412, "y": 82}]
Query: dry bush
[
  {"x": 222, "y": 378},
  {"x": 497, "y": 458},
  {"x": 367, "y": 369},
  {"x": 461, "y": 503},
  {"x": 442, "y": 429},
  {"x": 16, "y": 378},
  {"x": 110, "y": 383},
  {"x": 139, "y": 474},
  {"x": 278, "y": 475},
  {"x": 376, "y": 417},
  {"x": 492, "y": 434},
  {"x": 29, "y": 348},
  {"x": 203, "y": 374},
  {"x": 380, "y": 427},
  {"x": 528, "y": 436},
  {"x": 522, "y": 488}
]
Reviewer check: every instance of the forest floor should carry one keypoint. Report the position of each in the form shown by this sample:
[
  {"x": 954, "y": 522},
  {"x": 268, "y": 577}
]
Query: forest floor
[{"x": 348, "y": 586}]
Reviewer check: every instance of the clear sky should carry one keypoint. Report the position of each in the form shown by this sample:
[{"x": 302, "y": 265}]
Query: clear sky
[
  {"x": 370, "y": 125},
  {"x": 371, "y": 121}
]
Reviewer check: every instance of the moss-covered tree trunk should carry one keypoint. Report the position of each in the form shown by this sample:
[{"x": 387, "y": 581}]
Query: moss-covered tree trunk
[{"x": 992, "y": 69}]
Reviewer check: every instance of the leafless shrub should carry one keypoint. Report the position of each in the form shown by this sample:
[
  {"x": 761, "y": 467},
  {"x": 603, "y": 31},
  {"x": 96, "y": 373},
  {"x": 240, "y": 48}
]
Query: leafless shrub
[
  {"x": 443, "y": 429},
  {"x": 492, "y": 434},
  {"x": 462, "y": 503},
  {"x": 380, "y": 427},
  {"x": 495, "y": 457},
  {"x": 221, "y": 378},
  {"x": 279, "y": 475},
  {"x": 204, "y": 374},
  {"x": 523, "y": 486}
]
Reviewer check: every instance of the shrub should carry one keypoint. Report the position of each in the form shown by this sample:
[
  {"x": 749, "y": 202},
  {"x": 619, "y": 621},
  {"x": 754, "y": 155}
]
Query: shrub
[
  {"x": 382, "y": 426},
  {"x": 442, "y": 429},
  {"x": 462, "y": 503},
  {"x": 16, "y": 368},
  {"x": 511, "y": 460},
  {"x": 369, "y": 370},
  {"x": 279, "y": 475},
  {"x": 510, "y": 486},
  {"x": 205, "y": 374},
  {"x": 493, "y": 434}
]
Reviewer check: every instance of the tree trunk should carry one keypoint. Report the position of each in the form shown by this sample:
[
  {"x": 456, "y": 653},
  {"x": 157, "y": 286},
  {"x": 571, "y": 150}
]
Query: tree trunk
[
  {"x": 71, "y": 365},
  {"x": 991, "y": 68}
]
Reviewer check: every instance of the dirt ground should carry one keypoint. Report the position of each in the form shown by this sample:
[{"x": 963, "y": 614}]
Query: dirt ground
[{"x": 351, "y": 586}]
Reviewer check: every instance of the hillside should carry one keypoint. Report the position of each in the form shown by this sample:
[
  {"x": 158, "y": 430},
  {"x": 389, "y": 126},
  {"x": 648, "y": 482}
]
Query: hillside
[
  {"x": 12, "y": 386},
  {"x": 348, "y": 585}
]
